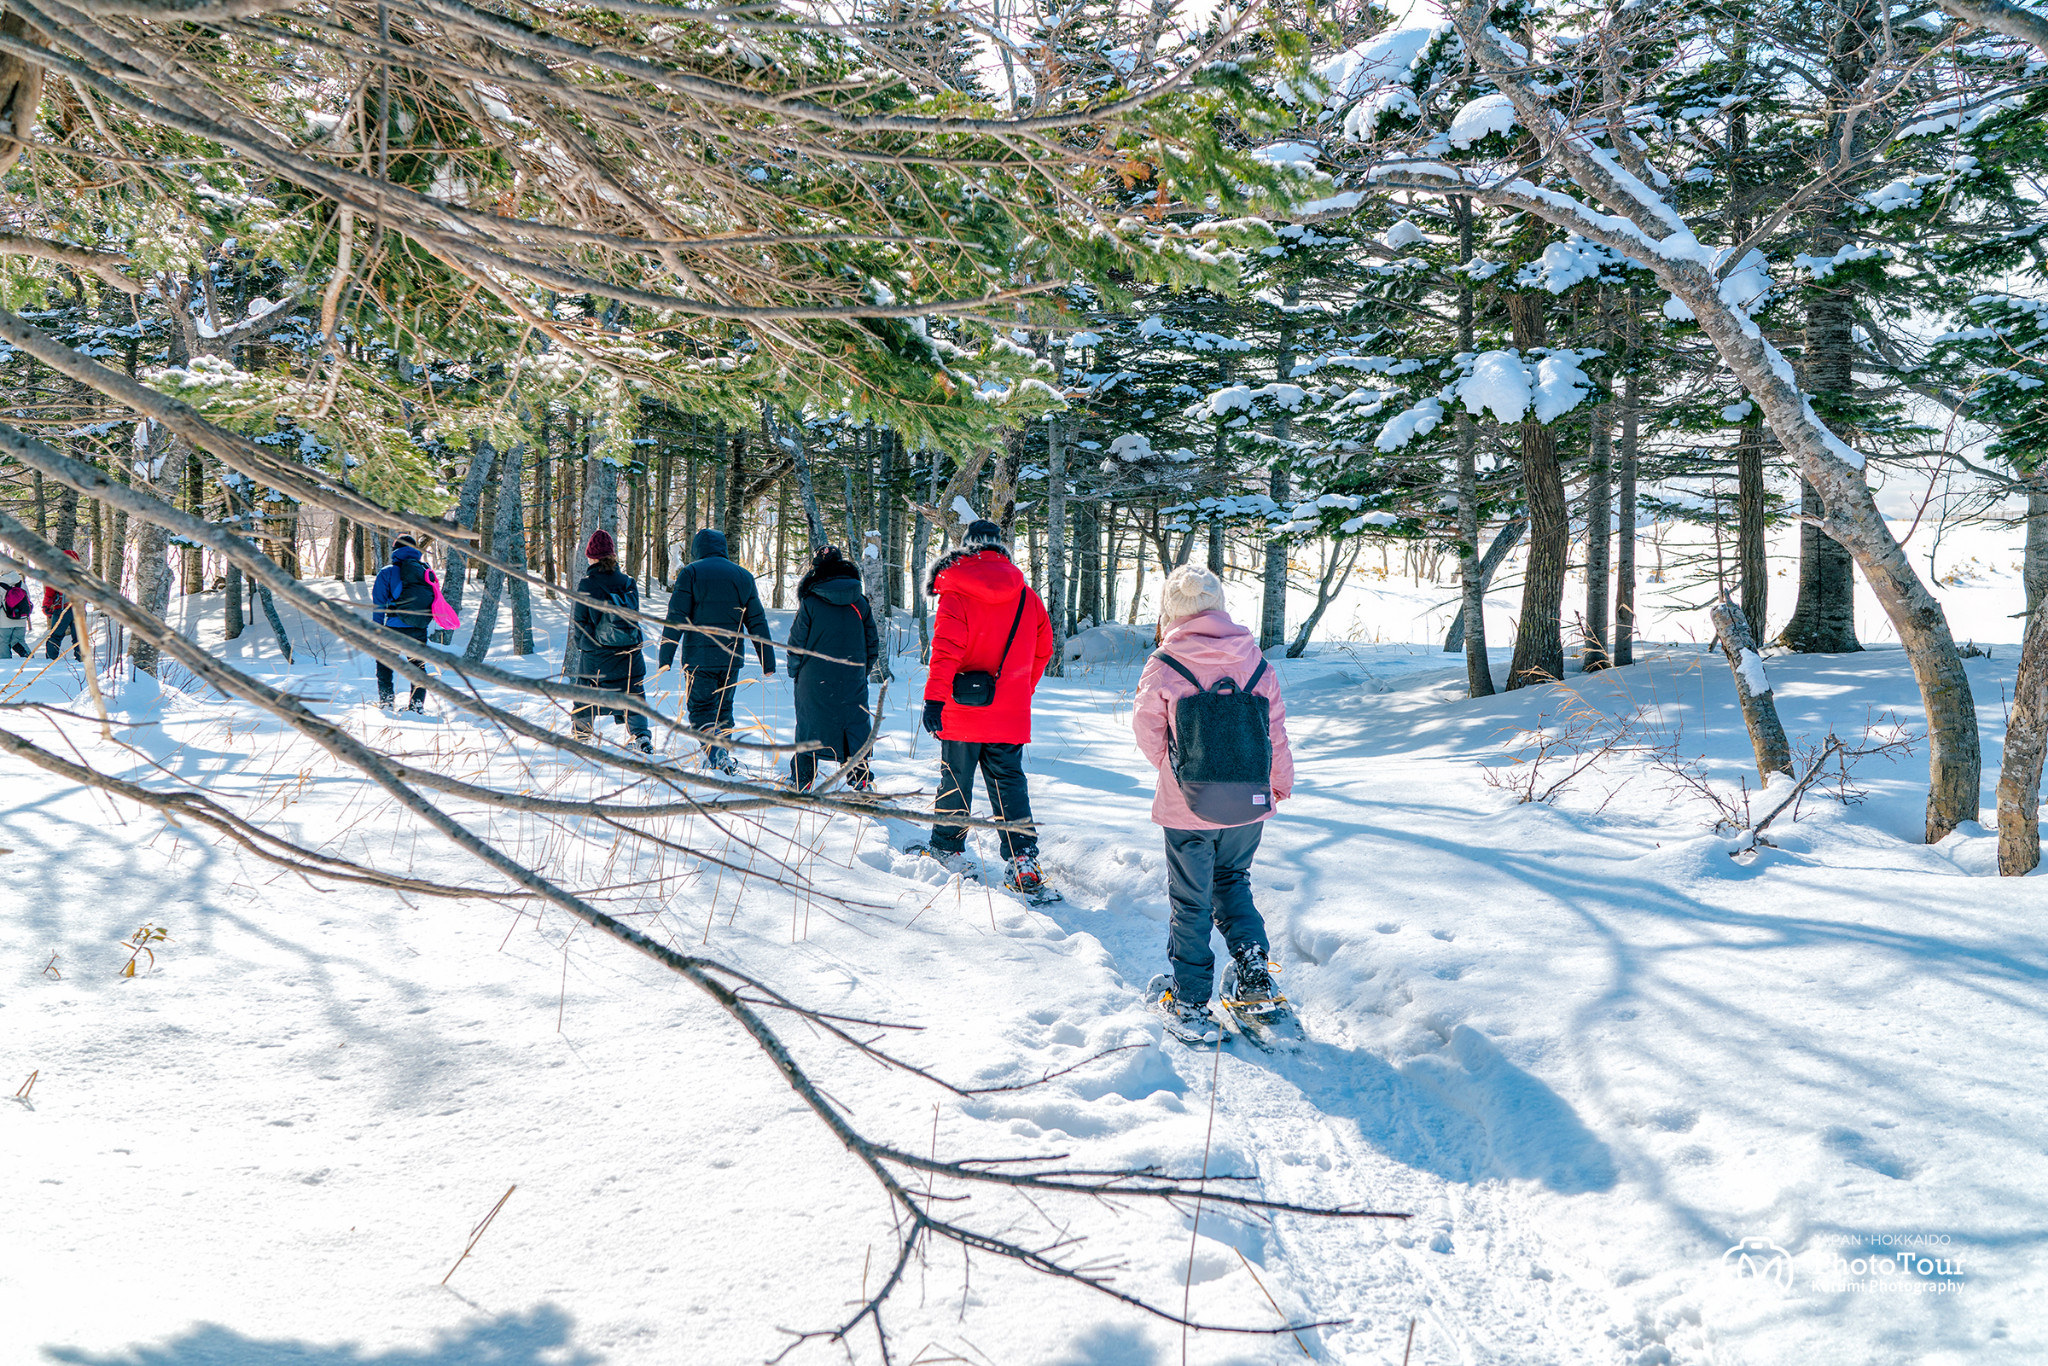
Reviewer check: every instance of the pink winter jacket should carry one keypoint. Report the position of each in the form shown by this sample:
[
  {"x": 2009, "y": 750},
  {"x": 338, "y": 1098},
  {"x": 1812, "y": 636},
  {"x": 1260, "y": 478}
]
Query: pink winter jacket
[{"x": 1208, "y": 645}]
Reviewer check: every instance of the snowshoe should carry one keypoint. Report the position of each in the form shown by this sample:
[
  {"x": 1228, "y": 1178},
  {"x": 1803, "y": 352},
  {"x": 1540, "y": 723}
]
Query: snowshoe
[
  {"x": 1025, "y": 879},
  {"x": 1189, "y": 1021},
  {"x": 1254, "y": 1004}
]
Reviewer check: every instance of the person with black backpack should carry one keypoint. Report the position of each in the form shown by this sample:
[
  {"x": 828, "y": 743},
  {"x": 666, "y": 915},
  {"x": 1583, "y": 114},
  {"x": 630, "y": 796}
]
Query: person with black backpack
[
  {"x": 607, "y": 644},
  {"x": 402, "y": 600},
  {"x": 14, "y": 629},
  {"x": 1208, "y": 714}
]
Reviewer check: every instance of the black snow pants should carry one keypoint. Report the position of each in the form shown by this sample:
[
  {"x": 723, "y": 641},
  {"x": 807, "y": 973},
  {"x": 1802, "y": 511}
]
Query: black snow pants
[
  {"x": 710, "y": 702},
  {"x": 386, "y": 683},
  {"x": 1009, "y": 796}
]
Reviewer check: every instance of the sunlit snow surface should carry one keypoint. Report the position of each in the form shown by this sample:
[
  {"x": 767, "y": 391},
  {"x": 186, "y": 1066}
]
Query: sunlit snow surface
[{"x": 1585, "y": 1048}]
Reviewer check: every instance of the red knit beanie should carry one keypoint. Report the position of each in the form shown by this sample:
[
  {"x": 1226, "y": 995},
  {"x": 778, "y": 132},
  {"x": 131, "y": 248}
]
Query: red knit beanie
[{"x": 600, "y": 547}]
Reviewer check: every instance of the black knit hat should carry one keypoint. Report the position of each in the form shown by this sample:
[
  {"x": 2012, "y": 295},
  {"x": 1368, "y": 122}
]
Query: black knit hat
[{"x": 982, "y": 534}]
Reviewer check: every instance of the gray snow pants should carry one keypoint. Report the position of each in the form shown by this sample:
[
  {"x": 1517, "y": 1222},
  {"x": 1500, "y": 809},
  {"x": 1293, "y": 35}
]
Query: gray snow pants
[{"x": 1209, "y": 882}]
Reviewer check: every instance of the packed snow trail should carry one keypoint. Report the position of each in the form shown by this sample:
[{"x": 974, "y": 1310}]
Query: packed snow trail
[{"x": 1585, "y": 1048}]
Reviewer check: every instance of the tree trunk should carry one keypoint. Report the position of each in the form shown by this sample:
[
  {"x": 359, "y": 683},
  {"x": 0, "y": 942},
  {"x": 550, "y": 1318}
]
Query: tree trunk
[
  {"x": 232, "y": 621},
  {"x": 1002, "y": 487},
  {"x": 1273, "y": 601},
  {"x": 337, "y": 552},
  {"x": 1599, "y": 511},
  {"x": 600, "y": 500},
  {"x": 732, "y": 516},
  {"x": 1824, "y": 618},
  {"x": 1088, "y": 529},
  {"x": 1336, "y": 570},
  {"x": 284, "y": 642},
  {"x": 1752, "y": 690},
  {"x": 1623, "y": 646},
  {"x": 66, "y": 531},
  {"x": 690, "y": 504},
  {"x": 1750, "y": 530},
  {"x": 633, "y": 551},
  {"x": 507, "y": 544},
  {"x": 664, "y": 479},
  {"x": 482, "y": 456},
  {"x": 2026, "y": 738},
  {"x": 1539, "y": 640},
  {"x": 808, "y": 492},
  {"x": 2034, "y": 568},
  {"x": 1056, "y": 534},
  {"x": 362, "y": 552},
  {"x": 1468, "y": 628},
  {"x": 1497, "y": 551},
  {"x": 1273, "y": 604},
  {"x": 721, "y": 466},
  {"x": 1219, "y": 474},
  {"x": 161, "y": 454},
  {"x": 195, "y": 503},
  {"x": 891, "y": 515},
  {"x": 781, "y": 540},
  {"x": 920, "y": 537},
  {"x": 1114, "y": 535},
  {"x": 874, "y": 582}
]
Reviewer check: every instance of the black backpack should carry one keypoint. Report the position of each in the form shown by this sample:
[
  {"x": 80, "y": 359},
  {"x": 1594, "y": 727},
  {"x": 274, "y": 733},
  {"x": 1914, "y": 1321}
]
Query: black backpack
[
  {"x": 1220, "y": 744},
  {"x": 616, "y": 632}
]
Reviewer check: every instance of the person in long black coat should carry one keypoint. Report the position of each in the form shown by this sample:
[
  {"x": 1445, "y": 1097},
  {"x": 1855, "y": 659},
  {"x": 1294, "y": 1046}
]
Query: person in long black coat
[
  {"x": 834, "y": 619},
  {"x": 714, "y": 592},
  {"x": 601, "y": 663}
]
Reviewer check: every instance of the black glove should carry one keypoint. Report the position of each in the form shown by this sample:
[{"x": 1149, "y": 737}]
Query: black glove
[{"x": 934, "y": 711}]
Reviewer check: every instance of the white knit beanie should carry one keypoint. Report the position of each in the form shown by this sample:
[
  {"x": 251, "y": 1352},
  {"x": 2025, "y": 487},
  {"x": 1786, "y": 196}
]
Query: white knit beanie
[{"x": 1189, "y": 589}]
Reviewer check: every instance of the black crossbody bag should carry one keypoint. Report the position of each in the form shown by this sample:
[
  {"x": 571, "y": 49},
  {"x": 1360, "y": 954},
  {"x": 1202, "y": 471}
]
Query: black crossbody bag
[{"x": 977, "y": 687}]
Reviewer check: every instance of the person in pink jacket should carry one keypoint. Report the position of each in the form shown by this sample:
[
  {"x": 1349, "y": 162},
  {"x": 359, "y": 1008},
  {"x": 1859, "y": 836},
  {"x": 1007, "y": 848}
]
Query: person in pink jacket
[{"x": 1208, "y": 865}]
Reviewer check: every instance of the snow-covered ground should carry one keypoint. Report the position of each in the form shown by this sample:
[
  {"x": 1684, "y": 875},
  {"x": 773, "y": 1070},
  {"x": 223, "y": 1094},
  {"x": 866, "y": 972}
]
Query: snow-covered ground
[{"x": 1588, "y": 1051}]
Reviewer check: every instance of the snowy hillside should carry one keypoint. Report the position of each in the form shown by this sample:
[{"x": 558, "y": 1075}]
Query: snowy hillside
[{"x": 1583, "y": 1047}]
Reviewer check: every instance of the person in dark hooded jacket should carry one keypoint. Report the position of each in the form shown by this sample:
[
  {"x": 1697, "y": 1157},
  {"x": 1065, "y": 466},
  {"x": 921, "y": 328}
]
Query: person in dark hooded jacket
[
  {"x": 834, "y": 619},
  {"x": 608, "y": 645},
  {"x": 402, "y": 600},
  {"x": 714, "y": 592}
]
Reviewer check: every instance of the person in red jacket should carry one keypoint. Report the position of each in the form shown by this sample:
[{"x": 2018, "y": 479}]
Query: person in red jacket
[
  {"x": 63, "y": 620},
  {"x": 989, "y": 622}
]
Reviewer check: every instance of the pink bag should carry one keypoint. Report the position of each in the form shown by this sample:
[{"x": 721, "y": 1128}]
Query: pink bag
[{"x": 445, "y": 615}]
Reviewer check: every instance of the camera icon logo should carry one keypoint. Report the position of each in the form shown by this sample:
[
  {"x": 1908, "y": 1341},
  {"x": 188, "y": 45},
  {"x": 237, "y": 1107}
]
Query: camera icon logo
[{"x": 1760, "y": 1259}]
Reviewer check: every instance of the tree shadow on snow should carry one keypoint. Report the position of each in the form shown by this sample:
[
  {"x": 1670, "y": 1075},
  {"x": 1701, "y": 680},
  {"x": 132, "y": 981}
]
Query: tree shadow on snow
[{"x": 540, "y": 1337}]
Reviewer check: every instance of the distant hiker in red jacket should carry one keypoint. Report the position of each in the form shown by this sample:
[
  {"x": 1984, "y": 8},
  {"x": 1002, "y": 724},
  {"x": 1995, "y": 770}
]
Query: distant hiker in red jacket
[
  {"x": 991, "y": 641},
  {"x": 63, "y": 620}
]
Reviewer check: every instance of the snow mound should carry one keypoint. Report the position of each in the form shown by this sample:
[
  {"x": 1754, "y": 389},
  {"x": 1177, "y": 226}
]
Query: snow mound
[{"x": 1111, "y": 644}]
